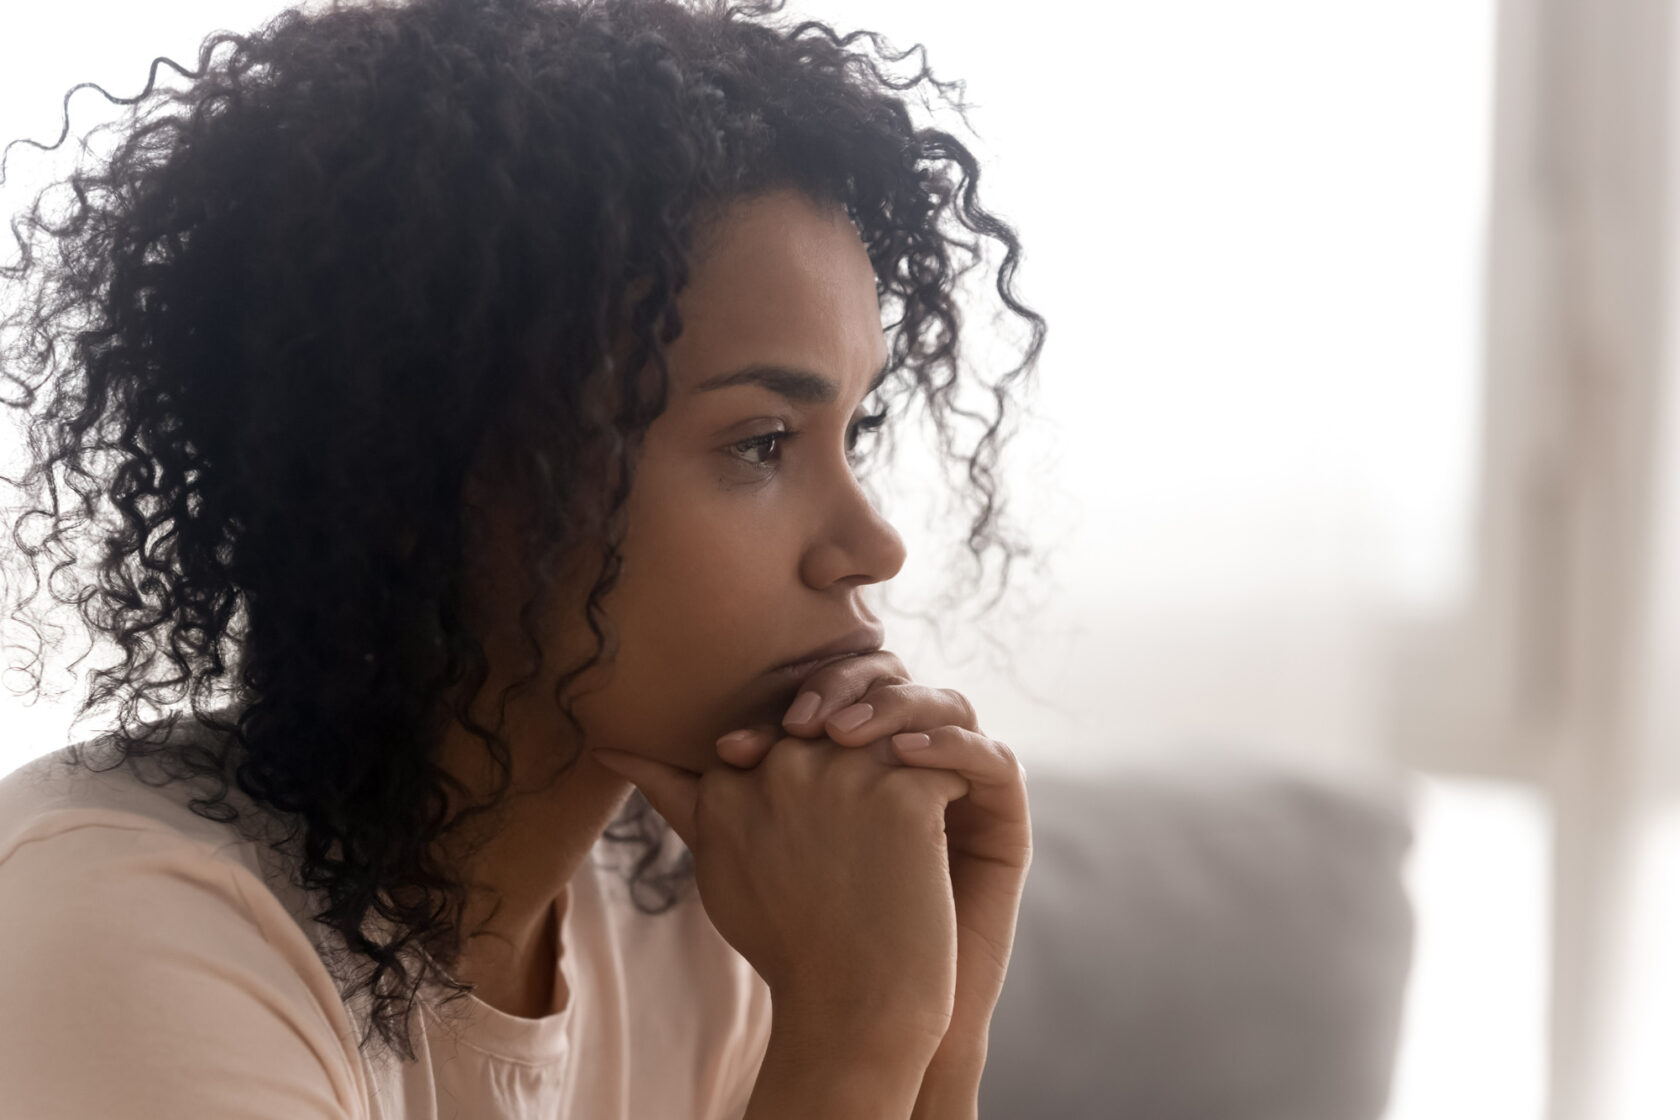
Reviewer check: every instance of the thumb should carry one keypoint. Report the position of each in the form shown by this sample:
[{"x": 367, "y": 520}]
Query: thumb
[
  {"x": 747, "y": 747},
  {"x": 672, "y": 791}
]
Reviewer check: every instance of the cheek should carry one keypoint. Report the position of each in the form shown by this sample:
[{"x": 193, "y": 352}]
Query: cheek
[
  {"x": 710, "y": 617},
  {"x": 695, "y": 563},
  {"x": 698, "y": 626},
  {"x": 707, "y": 573},
  {"x": 721, "y": 549}
]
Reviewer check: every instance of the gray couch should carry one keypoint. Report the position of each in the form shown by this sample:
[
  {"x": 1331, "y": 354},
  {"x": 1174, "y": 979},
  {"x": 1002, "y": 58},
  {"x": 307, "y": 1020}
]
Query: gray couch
[{"x": 1206, "y": 935}]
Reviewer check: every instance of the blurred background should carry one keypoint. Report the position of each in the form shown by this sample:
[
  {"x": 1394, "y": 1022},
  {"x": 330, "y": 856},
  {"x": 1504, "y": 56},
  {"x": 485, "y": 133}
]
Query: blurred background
[{"x": 1354, "y": 453}]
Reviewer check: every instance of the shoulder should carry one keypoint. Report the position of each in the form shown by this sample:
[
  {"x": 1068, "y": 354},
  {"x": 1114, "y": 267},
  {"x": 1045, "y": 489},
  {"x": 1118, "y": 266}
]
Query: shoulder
[{"x": 136, "y": 949}]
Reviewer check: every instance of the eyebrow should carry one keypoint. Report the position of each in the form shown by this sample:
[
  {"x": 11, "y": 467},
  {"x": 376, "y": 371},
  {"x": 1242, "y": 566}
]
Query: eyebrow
[{"x": 798, "y": 385}]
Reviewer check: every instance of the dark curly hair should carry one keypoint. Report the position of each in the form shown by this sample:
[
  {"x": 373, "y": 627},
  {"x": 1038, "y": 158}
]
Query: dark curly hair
[{"x": 369, "y": 255}]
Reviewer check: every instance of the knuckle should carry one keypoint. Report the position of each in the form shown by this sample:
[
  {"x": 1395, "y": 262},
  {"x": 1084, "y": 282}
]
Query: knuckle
[
  {"x": 1006, "y": 753},
  {"x": 968, "y": 716},
  {"x": 892, "y": 665},
  {"x": 888, "y": 695},
  {"x": 849, "y": 774},
  {"x": 885, "y": 668},
  {"x": 870, "y": 685},
  {"x": 862, "y": 668},
  {"x": 788, "y": 757},
  {"x": 904, "y": 790},
  {"x": 856, "y": 765}
]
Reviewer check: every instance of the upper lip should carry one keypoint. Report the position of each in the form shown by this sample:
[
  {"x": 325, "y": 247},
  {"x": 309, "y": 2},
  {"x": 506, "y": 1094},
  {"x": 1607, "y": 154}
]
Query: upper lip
[{"x": 866, "y": 640}]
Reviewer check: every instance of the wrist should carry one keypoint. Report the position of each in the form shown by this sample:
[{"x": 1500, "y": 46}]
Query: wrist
[
  {"x": 961, "y": 1052},
  {"x": 821, "y": 1072},
  {"x": 866, "y": 1031},
  {"x": 867, "y": 1041},
  {"x": 950, "y": 1089},
  {"x": 958, "y": 1062}
]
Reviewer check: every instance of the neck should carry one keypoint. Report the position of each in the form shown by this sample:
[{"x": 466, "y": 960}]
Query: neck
[{"x": 519, "y": 880}]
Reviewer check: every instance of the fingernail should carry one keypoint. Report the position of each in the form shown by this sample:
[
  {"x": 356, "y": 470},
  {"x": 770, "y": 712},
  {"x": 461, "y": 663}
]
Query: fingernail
[
  {"x": 735, "y": 739},
  {"x": 853, "y": 717},
  {"x": 803, "y": 708},
  {"x": 912, "y": 741}
]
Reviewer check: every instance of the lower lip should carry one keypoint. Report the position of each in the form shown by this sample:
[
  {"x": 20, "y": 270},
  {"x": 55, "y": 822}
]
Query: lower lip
[{"x": 806, "y": 668}]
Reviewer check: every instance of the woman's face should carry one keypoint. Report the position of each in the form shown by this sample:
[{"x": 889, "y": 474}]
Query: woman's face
[{"x": 740, "y": 556}]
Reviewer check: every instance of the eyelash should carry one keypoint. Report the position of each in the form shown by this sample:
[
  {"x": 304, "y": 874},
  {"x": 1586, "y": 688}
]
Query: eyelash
[{"x": 866, "y": 424}]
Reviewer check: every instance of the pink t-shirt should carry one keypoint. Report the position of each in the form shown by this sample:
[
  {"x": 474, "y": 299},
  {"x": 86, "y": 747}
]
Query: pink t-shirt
[{"x": 157, "y": 964}]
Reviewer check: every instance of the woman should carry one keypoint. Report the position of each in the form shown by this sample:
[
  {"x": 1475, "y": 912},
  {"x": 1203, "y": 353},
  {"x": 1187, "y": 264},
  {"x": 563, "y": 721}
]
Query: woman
[{"x": 481, "y": 386}]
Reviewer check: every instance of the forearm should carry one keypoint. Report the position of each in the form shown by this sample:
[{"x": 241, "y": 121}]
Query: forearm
[{"x": 817, "y": 1074}]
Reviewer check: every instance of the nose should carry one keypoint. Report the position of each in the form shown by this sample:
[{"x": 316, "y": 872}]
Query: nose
[{"x": 857, "y": 545}]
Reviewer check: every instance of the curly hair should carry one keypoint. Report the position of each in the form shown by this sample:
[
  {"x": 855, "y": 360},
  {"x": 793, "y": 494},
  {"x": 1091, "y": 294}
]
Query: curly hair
[{"x": 371, "y": 254}]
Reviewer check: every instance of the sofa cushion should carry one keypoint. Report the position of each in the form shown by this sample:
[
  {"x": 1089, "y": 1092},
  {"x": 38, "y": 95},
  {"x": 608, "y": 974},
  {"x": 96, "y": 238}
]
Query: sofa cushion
[{"x": 1208, "y": 935}]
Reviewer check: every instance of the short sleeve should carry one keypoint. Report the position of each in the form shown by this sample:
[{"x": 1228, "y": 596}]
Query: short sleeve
[{"x": 138, "y": 983}]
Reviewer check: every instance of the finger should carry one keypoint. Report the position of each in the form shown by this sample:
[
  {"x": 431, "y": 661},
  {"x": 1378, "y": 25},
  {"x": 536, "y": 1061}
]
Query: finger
[
  {"x": 887, "y": 709},
  {"x": 996, "y": 778},
  {"x": 672, "y": 792},
  {"x": 747, "y": 747},
  {"x": 839, "y": 685}
]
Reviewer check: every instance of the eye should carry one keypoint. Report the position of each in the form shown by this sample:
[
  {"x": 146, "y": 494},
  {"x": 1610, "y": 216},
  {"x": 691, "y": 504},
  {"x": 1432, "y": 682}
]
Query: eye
[
  {"x": 866, "y": 424},
  {"x": 763, "y": 444},
  {"x": 766, "y": 443}
]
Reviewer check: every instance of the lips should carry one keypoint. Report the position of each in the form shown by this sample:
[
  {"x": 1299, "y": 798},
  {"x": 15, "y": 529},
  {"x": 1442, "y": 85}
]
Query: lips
[
  {"x": 800, "y": 669},
  {"x": 866, "y": 640}
]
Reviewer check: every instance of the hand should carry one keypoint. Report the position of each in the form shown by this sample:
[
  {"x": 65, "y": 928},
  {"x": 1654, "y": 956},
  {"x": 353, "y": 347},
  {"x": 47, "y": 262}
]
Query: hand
[
  {"x": 828, "y": 872},
  {"x": 988, "y": 833}
]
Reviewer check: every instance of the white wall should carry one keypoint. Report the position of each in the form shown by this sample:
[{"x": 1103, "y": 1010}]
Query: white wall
[{"x": 1256, "y": 231}]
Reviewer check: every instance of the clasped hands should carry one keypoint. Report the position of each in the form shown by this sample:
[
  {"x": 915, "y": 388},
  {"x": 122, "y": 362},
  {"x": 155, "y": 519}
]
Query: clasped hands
[{"x": 869, "y": 701}]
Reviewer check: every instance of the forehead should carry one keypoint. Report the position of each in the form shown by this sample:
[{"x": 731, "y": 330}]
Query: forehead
[{"x": 781, "y": 279}]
